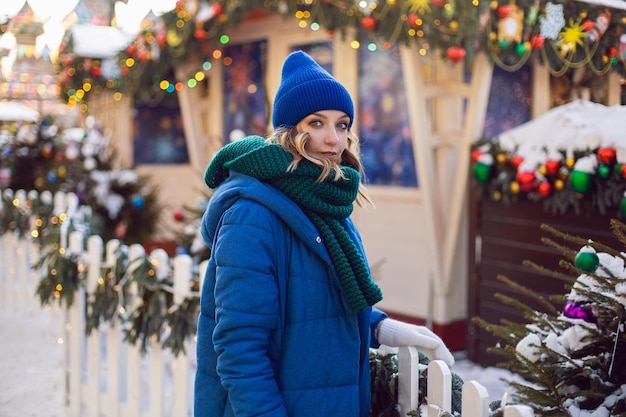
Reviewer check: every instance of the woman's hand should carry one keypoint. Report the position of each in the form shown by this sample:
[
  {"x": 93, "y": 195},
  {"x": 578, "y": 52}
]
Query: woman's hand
[{"x": 395, "y": 333}]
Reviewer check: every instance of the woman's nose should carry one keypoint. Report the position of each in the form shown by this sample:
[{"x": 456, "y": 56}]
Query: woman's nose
[{"x": 332, "y": 136}]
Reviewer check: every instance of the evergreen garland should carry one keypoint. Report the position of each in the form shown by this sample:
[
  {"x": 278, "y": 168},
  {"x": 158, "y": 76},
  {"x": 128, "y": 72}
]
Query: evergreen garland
[
  {"x": 182, "y": 322},
  {"x": 498, "y": 180},
  {"x": 457, "y": 30},
  {"x": 106, "y": 303},
  {"x": 62, "y": 278},
  {"x": 384, "y": 387},
  {"x": 146, "y": 322}
]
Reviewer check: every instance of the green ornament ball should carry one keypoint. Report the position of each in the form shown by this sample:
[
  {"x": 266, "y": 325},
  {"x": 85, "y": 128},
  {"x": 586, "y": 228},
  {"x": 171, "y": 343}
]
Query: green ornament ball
[
  {"x": 587, "y": 260},
  {"x": 580, "y": 181},
  {"x": 622, "y": 206},
  {"x": 482, "y": 172},
  {"x": 604, "y": 171}
]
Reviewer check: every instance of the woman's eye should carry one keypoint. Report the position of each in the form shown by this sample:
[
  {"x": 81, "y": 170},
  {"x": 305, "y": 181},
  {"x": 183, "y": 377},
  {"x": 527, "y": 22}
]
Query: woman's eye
[
  {"x": 315, "y": 123},
  {"x": 342, "y": 125}
]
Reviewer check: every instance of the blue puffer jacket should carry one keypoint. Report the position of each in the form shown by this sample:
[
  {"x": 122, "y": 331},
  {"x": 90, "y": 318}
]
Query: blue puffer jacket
[{"x": 276, "y": 337}]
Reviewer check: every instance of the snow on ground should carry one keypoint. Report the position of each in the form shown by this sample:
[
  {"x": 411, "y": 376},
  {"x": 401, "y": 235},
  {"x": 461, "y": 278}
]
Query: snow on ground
[
  {"x": 32, "y": 378},
  {"x": 31, "y": 374}
]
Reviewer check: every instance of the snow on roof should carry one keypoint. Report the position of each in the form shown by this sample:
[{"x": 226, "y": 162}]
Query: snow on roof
[
  {"x": 99, "y": 41},
  {"x": 577, "y": 126},
  {"x": 14, "y": 111},
  {"x": 615, "y": 4}
]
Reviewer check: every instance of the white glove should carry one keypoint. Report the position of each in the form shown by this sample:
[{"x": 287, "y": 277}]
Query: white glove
[{"x": 395, "y": 333}]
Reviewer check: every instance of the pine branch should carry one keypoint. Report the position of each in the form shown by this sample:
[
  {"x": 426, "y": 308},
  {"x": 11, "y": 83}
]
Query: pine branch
[
  {"x": 567, "y": 279},
  {"x": 619, "y": 230},
  {"x": 527, "y": 292}
]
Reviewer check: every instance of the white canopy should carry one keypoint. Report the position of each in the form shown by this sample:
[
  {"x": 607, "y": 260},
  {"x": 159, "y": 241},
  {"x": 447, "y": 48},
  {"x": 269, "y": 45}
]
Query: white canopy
[
  {"x": 15, "y": 111},
  {"x": 99, "y": 41}
]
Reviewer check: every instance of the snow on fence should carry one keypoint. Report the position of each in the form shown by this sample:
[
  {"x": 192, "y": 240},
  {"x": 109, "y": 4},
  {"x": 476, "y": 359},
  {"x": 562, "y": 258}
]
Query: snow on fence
[{"x": 107, "y": 377}]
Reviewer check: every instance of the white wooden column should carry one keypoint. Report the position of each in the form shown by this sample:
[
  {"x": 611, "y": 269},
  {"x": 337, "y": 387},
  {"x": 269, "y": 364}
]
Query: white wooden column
[
  {"x": 446, "y": 115},
  {"x": 192, "y": 105}
]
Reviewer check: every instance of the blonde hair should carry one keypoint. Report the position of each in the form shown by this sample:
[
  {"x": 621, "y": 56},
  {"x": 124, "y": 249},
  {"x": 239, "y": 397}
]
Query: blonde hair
[{"x": 294, "y": 142}]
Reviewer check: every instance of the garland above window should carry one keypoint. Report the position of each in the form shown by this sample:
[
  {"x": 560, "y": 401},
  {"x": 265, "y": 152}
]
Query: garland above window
[{"x": 562, "y": 34}]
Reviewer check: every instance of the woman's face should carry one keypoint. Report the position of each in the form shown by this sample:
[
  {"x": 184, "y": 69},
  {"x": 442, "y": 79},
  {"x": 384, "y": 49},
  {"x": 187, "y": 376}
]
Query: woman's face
[{"x": 328, "y": 131}]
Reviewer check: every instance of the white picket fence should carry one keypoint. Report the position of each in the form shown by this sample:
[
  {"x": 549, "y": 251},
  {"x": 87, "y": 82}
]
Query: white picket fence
[{"x": 106, "y": 377}]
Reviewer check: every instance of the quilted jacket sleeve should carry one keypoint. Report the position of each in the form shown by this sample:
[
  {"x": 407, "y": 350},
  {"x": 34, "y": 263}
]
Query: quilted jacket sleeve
[{"x": 247, "y": 310}]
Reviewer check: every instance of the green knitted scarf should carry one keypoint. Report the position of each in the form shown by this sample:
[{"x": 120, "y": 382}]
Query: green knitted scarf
[{"x": 325, "y": 203}]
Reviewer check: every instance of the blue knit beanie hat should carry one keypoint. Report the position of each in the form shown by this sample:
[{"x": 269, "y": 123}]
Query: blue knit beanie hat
[{"x": 306, "y": 88}]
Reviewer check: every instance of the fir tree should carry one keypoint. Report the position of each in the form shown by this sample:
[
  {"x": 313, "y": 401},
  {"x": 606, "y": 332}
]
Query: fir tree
[{"x": 571, "y": 352}]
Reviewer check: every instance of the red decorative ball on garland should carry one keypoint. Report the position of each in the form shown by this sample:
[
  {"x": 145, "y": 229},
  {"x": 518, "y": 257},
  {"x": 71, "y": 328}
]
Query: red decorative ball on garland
[
  {"x": 537, "y": 41},
  {"x": 504, "y": 11},
  {"x": 516, "y": 161},
  {"x": 606, "y": 155},
  {"x": 368, "y": 23},
  {"x": 587, "y": 25},
  {"x": 218, "y": 9},
  {"x": 544, "y": 188},
  {"x": 552, "y": 166},
  {"x": 456, "y": 53},
  {"x": 161, "y": 39},
  {"x": 413, "y": 20},
  {"x": 199, "y": 33},
  {"x": 476, "y": 153},
  {"x": 179, "y": 215},
  {"x": 526, "y": 180}
]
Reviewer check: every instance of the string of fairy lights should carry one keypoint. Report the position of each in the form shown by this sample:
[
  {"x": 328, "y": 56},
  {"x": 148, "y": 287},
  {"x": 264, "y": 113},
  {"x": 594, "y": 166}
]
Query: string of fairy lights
[{"x": 563, "y": 35}]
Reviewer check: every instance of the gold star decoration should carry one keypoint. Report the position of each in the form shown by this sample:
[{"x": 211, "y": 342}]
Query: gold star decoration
[{"x": 572, "y": 36}]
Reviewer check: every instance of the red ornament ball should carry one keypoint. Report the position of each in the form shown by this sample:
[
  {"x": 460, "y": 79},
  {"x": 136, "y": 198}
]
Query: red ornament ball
[
  {"x": 368, "y": 23},
  {"x": 179, "y": 215},
  {"x": 476, "y": 153},
  {"x": 199, "y": 33},
  {"x": 504, "y": 11},
  {"x": 456, "y": 53},
  {"x": 606, "y": 155},
  {"x": 587, "y": 25},
  {"x": 218, "y": 9},
  {"x": 526, "y": 180},
  {"x": 544, "y": 189},
  {"x": 537, "y": 41},
  {"x": 516, "y": 161},
  {"x": 413, "y": 20},
  {"x": 552, "y": 166}
]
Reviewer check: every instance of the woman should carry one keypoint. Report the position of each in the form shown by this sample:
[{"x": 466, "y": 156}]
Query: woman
[{"x": 286, "y": 318}]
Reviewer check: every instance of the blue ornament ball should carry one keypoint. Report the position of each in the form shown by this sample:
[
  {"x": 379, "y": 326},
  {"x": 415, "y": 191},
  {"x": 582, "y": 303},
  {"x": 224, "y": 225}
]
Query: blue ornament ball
[
  {"x": 52, "y": 177},
  {"x": 138, "y": 201},
  {"x": 181, "y": 250}
]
